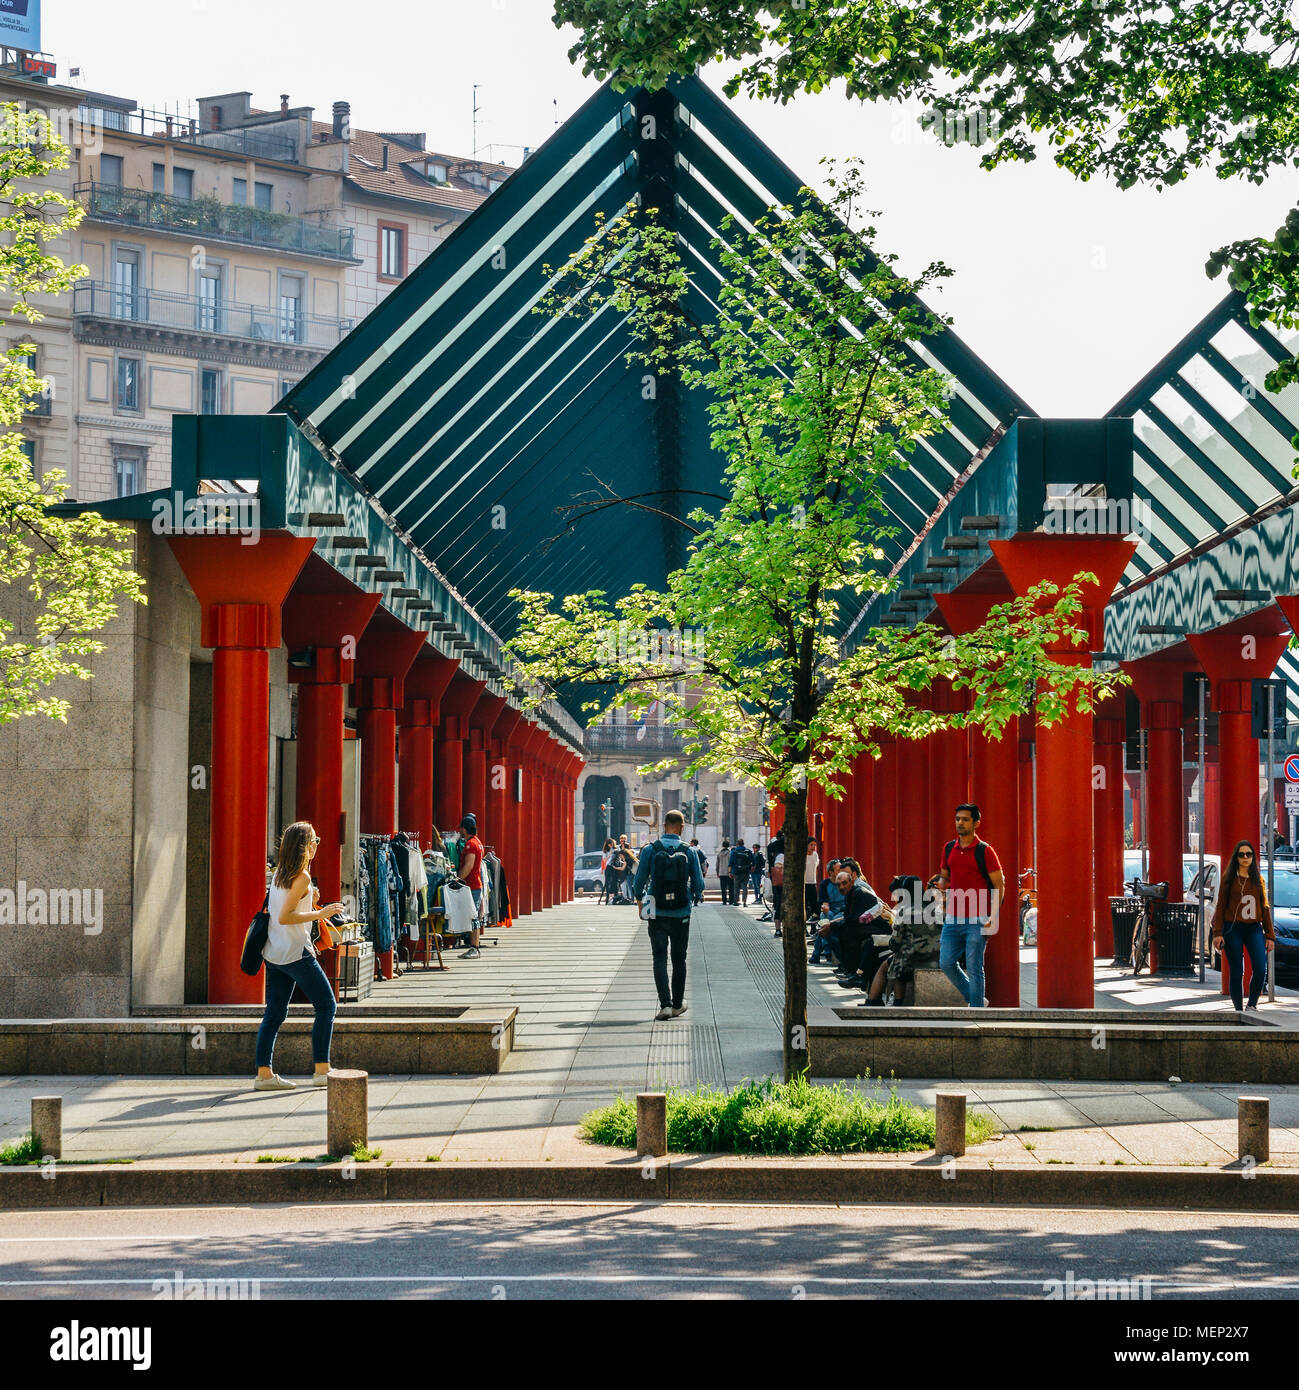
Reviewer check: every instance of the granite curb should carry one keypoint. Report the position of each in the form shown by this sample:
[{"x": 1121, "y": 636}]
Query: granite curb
[{"x": 682, "y": 1178}]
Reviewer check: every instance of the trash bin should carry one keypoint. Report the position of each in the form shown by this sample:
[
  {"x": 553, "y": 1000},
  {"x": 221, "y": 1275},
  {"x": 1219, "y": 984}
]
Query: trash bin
[
  {"x": 1172, "y": 926},
  {"x": 1123, "y": 918}
]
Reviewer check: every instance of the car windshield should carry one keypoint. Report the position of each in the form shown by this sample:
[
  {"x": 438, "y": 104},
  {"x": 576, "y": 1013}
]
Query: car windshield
[
  {"x": 1285, "y": 886},
  {"x": 589, "y": 861}
]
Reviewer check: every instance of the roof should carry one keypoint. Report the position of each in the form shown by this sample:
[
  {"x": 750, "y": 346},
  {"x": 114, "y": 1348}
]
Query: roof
[{"x": 466, "y": 416}]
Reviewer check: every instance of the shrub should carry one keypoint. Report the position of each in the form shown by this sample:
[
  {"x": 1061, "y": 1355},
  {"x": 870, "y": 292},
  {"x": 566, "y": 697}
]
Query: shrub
[
  {"x": 24, "y": 1150},
  {"x": 769, "y": 1117}
]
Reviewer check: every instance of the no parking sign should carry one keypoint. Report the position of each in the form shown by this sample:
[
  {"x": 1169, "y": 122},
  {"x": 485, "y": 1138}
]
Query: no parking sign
[{"x": 1292, "y": 768}]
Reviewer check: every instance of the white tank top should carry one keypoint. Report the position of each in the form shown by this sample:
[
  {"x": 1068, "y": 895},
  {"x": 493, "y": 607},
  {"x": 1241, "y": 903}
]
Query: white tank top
[{"x": 286, "y": 943}]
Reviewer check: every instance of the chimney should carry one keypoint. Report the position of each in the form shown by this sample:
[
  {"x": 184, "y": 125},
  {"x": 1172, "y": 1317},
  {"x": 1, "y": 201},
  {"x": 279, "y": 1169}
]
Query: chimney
[
  {"x": 385, "y": 159},
  {"x": 284, "y": 103},
  {"x": 342, "y": 120}
]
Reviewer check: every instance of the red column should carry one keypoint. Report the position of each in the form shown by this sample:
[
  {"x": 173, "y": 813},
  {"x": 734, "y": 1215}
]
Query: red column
[
  {"x": 240, "y": 589},
  {"x": 517, "y": 813},
  {"x": 383, "y": 657},
  {"x": 916, "y": 852},
  {"x": 1107, "y": 812},
  {"x": 884, "y": 818},
  {"x": 861, "y": 799},
  {"x": 991, "y": 781},
  {"x": 533, "y": 811},
  {"x": 500, "y": 789},
  {"x": 1065, "y": 840},
  {"x": 482, "y": 718},
  {"x": 424, "y": 686},
  {"x": 1232, "y": 659},
  {"x": 1158, "y": 686},
  {"x": 949, "y": 766},
  {"x": 331, "y": 624},
  {"x": 1027, "y": 778},
  {"x": 449, "y": 789}
]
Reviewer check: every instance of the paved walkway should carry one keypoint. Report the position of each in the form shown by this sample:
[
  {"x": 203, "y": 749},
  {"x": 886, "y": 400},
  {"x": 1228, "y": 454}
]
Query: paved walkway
[{"x": 580, "y": 976}]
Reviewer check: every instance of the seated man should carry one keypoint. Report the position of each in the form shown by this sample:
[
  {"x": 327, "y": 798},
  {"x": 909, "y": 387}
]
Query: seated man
[
  {"x": 826, "y": 940},
  {"x": 862, "y": 909}
]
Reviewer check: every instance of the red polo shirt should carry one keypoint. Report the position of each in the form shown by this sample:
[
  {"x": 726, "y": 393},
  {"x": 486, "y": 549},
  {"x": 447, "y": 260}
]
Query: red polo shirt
[{"x": 964, "y": 876}]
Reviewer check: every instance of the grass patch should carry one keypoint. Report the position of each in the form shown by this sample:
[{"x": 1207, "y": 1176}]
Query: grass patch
[
  {"x": 363, "y": 1155},
  {"x": 24, "y": 1150},
  {"x": 770, "y": 1117},
  {"x": 1030, "y": 1147},
  {"x": 433, "y": 1158},
  {"x": 276, "y": 1158}
]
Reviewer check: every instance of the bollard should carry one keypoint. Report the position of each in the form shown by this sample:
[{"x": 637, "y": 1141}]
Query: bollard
[
  {"x": 949, "y": 1125},
  {"x": 1252, "y": 1129},
  {"x": 651, "y": 1124},
  {"x": 47, "y": 1125},
  {"x": 349, "y": 1106}
]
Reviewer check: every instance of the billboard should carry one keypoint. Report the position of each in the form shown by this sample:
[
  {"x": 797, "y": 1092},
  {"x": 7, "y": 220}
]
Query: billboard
[{"x": 20, "y": 24}]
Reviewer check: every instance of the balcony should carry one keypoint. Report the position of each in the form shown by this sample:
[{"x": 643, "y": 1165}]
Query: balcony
[
  {"x": 250, "y": 142},
  {"x": 622, "y": 738},
  {"x": 138, "y": 310},
  {"x": 209, "y": 217}
]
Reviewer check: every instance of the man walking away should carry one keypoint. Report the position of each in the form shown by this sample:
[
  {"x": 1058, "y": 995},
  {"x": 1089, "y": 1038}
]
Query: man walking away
[
  {"x": 971, "y": 879},
  {"x": 674, "y": 878},
  {"x": 740, "y": 866},
  {"x": 724, "y": 873}
]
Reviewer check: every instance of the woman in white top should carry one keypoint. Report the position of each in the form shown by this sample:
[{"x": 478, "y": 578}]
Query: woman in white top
[
  {"x": 291, "y": 958},
  {"x": 811, "y": 879}
]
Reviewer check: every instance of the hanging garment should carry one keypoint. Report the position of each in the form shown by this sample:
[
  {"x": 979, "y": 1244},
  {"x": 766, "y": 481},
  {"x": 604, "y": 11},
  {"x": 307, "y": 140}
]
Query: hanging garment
[{"x": 458, "y": 904}]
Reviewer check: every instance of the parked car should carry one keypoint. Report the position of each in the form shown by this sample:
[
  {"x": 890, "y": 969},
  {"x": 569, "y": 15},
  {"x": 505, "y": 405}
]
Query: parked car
[
  {"x": 587, "y": 874},
  {"x": 1285, "y": 921},
  {"x": 1190, "y": 877}
]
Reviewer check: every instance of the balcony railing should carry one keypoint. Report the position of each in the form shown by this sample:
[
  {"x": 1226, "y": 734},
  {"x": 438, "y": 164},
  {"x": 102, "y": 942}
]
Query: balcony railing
[
  {"x": 256, "y": 144},
  {"x": 622, "y": 738},
  {"x": 163, "y": 309},
  {"x": 209, "y": 217}
]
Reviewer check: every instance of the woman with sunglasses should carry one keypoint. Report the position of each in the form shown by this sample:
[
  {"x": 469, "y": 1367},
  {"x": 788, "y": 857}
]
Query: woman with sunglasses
[
  {"x": 291, "y": 958},
  {"x": 1242, "y": 921}
]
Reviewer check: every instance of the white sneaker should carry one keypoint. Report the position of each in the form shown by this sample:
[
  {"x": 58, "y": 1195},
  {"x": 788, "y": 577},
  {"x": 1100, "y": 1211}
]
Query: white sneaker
[
  {"x": 676, "y": 1013},
  {"x": 320, "y": 1078},
  {"x": 470, "y": 954},
  {"x": 273, "y": 1083},
  {"x": 662, "y": 1014}
]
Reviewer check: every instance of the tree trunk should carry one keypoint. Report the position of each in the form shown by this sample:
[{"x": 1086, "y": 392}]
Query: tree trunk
[{"x": 793, "y": 917}]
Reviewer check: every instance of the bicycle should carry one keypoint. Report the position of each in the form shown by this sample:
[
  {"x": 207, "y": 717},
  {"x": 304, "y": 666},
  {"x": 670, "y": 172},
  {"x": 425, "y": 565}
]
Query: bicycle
[
  {"x": 1146, "y": 893},
  {"x": 1027, "y": 908}
]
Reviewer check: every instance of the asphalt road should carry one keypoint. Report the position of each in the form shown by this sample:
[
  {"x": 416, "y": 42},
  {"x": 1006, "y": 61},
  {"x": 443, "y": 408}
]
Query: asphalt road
[{"x": 650, "y": 1251}]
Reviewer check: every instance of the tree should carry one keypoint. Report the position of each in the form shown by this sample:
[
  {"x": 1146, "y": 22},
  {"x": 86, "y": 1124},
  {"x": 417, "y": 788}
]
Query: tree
[
  {"x": 75, "y": 569},
  {"x": 1141, "y": 90},
  {"x": 813, "y": 398}
]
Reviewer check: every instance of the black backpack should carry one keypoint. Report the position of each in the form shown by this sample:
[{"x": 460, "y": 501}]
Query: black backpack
[
  {"x": 670, "y": 877},
  {"x": 980, "y": 858}
]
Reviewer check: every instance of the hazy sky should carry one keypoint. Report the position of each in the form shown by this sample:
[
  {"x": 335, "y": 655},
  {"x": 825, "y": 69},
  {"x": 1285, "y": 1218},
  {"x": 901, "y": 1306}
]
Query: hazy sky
[{"x": 1068, "y": 290}]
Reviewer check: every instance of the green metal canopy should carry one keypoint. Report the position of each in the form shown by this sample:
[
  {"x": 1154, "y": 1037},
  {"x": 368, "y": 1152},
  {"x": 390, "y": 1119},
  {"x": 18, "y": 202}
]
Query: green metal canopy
[{"x": 469, "y": 419}]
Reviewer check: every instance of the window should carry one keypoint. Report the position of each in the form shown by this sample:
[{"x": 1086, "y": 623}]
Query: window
[
  {"x": 182, "y": 183},
  {"x": 128, "y": 384},
  {"x": 110, "y": 169},
  {"x": 262, "y": 196},
  {"x": 128, "y": 470},
  {"x": 437, "y": 172},
  {"x": 210, "y": 392},
  {"x": 731, "y": 816},
  {"x": 392, "y": 252},
  {"x": 209, "y": 302},
  {"x": 38, "y": 403},
  {"x": 672, "y": 799},
  {"x": 286, "y": 387},
  {"x": 240, "y": 196},
  {"x": 291, "y": 309},
  {"x": 159, "y": 178},
  {"x": 28, "y": 446},
  {"x": 127, "y": 300}
]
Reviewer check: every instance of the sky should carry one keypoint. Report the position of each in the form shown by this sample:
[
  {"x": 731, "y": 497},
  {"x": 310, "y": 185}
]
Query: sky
[{"x": 1069, "y": 291}]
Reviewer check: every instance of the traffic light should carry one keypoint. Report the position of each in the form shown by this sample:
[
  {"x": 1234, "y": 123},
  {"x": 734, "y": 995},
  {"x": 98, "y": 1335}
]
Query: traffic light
[{"x": 703, "y": 811}]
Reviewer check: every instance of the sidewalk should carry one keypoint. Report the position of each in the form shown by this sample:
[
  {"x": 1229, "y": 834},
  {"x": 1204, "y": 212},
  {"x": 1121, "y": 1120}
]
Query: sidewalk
[{"x": 580, "y": 977}]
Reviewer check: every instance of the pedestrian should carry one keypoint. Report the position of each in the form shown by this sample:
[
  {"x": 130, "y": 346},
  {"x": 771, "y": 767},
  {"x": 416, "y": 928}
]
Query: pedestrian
[
  {"x": 670, "y": 878},
  {"x": 776, "y": 872},
  {"x": 290, "y": 957},
  {"x": 830, "y": 899},
  {"x": 605, "y": 854},
  {"x": 756, "y": 869},
  {"x": 1242, "y": 922},
  {"x": 859, "y": 957},
  {"x": 703, "y": 864},
  {"x": 811, "y": 880},
  {"x": 741, "y": 864},
  {"x": 724, "y": 877},
  {"x": 471, "y": 875},
  {"x": 972, "y": 883}
]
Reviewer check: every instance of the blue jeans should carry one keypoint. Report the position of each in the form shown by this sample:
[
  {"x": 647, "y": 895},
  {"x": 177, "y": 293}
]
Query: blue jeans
[
  {"x": 964, "y": 937},
  {"x": 280, "y": 980},
  {"x": 825, "y": 945},
  {"x": 1237, "y": 938}
]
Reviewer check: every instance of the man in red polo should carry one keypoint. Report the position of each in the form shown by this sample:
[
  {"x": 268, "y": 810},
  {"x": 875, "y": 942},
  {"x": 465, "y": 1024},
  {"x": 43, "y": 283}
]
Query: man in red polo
[{"x": 972, "y": 883}]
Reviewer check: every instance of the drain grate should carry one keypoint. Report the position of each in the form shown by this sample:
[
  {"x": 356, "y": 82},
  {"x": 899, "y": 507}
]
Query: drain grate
[{"x": 681, "y": 1056}]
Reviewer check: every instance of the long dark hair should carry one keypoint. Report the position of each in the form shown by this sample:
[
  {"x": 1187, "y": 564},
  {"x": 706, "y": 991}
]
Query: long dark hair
[
  {"x": 293, "y": 854},
  {"x": 1255, "y": 878}
]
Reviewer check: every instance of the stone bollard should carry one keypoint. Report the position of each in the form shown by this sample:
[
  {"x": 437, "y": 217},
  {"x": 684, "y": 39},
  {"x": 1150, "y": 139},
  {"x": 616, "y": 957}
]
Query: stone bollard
[
  {"x": 949, "y": 1125},
  {"x": 652, "y": 1124},
  {"x": 47, "y": 1125},
  {"x": 349, "y": 1111},
  {"x": 1252, "y": 1129}
]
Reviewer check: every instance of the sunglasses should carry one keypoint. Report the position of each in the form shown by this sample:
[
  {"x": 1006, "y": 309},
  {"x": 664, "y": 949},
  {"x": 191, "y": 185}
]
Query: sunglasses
[{"x": 1245, "y": 854}]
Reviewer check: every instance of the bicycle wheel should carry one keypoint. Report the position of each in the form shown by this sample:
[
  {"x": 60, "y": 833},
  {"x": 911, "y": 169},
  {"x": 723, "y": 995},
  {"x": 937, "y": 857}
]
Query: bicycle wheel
[{"x": 1140, "y": 947}]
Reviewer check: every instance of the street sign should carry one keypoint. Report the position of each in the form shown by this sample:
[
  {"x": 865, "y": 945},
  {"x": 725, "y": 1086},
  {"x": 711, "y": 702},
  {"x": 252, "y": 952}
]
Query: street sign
[
  {"x": 1292, "y": 796},
  {"x": 1292, "y": 768},
  {"x": 1258, "y": 708}
]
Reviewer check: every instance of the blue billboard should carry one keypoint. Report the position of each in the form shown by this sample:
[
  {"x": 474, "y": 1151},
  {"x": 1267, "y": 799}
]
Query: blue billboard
[{"x": 20, "y": 24}]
